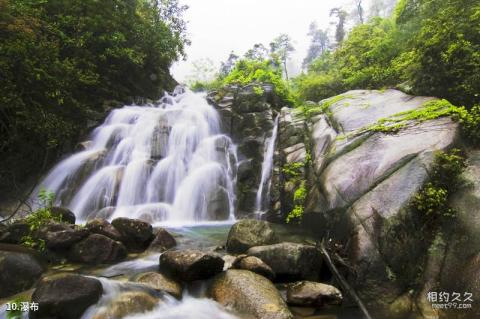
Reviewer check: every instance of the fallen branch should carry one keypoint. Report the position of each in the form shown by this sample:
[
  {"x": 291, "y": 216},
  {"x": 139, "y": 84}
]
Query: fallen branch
[{"x": 343, "y": 281}]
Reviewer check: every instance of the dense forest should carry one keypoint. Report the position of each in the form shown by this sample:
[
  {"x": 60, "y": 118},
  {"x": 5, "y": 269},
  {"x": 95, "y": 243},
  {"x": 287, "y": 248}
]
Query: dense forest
[
  {"x": 63, "y": 63},
  {"x": 422, "y": 47}
]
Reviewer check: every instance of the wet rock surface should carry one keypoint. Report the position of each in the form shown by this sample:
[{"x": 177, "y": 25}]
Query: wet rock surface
[
  {"x": 135, "y": 234},
  {"x": 97, "y": 249},
  {"x": 163, "y": 241},
  {"x": 65, "y": 297},
  {"x": 18, "y": 272},
  {"x": 190, "y": 265},
  {"x": 126, "y": 304}
]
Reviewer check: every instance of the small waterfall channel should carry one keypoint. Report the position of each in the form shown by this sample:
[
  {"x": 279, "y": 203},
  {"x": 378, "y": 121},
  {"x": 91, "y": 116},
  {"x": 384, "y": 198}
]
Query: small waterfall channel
[
  {"x": 263, "y": 191},
  {"x": 163, "y": 162}
]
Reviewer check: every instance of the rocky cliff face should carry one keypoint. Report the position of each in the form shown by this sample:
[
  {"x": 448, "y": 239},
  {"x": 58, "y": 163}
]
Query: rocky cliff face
[{"x": 358, "y": 184}]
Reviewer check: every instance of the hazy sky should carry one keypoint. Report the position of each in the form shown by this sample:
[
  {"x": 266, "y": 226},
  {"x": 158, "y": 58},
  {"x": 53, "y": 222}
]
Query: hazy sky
[{"x": 217, "y": 27}]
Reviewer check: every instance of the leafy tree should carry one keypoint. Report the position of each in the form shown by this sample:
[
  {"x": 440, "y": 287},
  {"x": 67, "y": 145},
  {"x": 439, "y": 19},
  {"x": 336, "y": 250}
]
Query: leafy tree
[
  {"x": 281, "y": 47},
  {"x": 318, "y": 46},
  {"x": 341, "y": 15},
  {"x": 64, "y": 62},
  {"x": 259, "y": 52}
]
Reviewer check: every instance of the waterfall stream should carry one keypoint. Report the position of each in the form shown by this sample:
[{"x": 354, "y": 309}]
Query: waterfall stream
[
  {"x": 162, "y": 162},
  {"x": 267, "y": 166}
]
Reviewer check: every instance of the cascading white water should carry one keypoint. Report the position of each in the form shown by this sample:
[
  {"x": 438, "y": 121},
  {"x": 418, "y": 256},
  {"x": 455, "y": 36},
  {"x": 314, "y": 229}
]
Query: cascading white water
[
  {"x": 267, "y": 166},
  {"x": 161, "y": 162}
]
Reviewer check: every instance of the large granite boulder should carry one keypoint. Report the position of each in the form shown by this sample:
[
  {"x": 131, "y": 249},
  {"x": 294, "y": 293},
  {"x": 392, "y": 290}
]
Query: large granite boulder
[
  {"x": 249, "y": 294},
  {"x": 65, "y": 238},
  {"x": 18, "y": 272},
  {"x": 97, "y": 249},
  {"x": 65, "y": 214},
  {"x": 66, "y": 297},
  {"x": 247, "y": 233},
  {"x": 290, "y": 261},
  {"x": 190, "y": 265}
]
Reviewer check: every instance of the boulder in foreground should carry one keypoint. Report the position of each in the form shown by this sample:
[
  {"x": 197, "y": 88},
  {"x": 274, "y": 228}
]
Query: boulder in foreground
[
  {"x": 18, "y": 272},
  {"x": 160, "y": 282},
  {"x": 66, "y": 297},
  {"x": 249, "y": 294}
]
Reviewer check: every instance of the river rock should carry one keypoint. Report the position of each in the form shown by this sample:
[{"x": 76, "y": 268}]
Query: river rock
[
  {"x": 66, "y": 297},
  {"x": 14, "y": 233},
  {"x": 66, "y": 215},
  {"x": 255, "y": 265},
  {"x": 127, "y": 303},
  {"x": 103, "y": 227},
  {"x": 97, "y": 249},
  {"x": 190, "y": 265},
  {"x": 163, "y": 241},
  {"x": 313, "y": 294},
  {"x": 136, "y": 234},
  {"x": 249, "y": 233},
  {"x": 18, "y": 272},
  {"x": 65, "y": 238},
  {"x": 160, "y": 282},
  {"x": 249, "y": 294},
  {"x": 290, "y": 260}
]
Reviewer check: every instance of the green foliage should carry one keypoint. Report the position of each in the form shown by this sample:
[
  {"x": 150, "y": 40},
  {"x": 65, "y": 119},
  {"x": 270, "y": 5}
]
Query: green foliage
[
  {"x": 293, "y": 170},
  {"x": 470, "y": 125},
  {"x": 299, "y": 197},
  {"x": 39, "y": 218},
  {"x": 430, "y": 110},
  {"x": 431, "y": 46},
  {"x": 263, "y": 71},
  {"x": 62, "y": 60}
]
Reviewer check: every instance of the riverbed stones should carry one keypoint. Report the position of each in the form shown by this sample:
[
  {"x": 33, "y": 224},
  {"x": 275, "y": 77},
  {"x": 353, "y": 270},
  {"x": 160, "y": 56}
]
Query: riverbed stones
[
  {"x": 65, "y": 297},
  {"x": 97, "y": 249},
  {"x": 249, "y": 294},
  {"x": 64, "y": 238},
  {"x": 14, "y": 233},
  {"x": 253, "y": 264},
  {"x": 313, "y": 294},
  {"x": 18, "y": 272},
  {"x": 136, "y": 234},
  {"x": 249, "y": 233},
  {"x": 290, "y": 261},
  {"x": 163, "y": 241},
  {"x": 103, "y": 227},
  {"x": 190, "y": 264},
  {"x": 160, "y": 282}
]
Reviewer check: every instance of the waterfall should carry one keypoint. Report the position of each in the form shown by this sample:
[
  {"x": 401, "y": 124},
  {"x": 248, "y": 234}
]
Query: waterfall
[
  {"x": 165, "y": 161},
  {"x": 267, "y": 166}
]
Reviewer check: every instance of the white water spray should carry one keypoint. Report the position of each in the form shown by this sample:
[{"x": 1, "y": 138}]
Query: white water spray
[
  {"x": 263, "y": 191},
  {"x": 159, "y": 162}
]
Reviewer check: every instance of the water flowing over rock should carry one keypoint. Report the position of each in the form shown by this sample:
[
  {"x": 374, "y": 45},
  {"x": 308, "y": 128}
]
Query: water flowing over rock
[
  {"x": 250, "y": 294},
  {"x": 160, "y": 282},
  {"x": 159, "y": 162}
]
